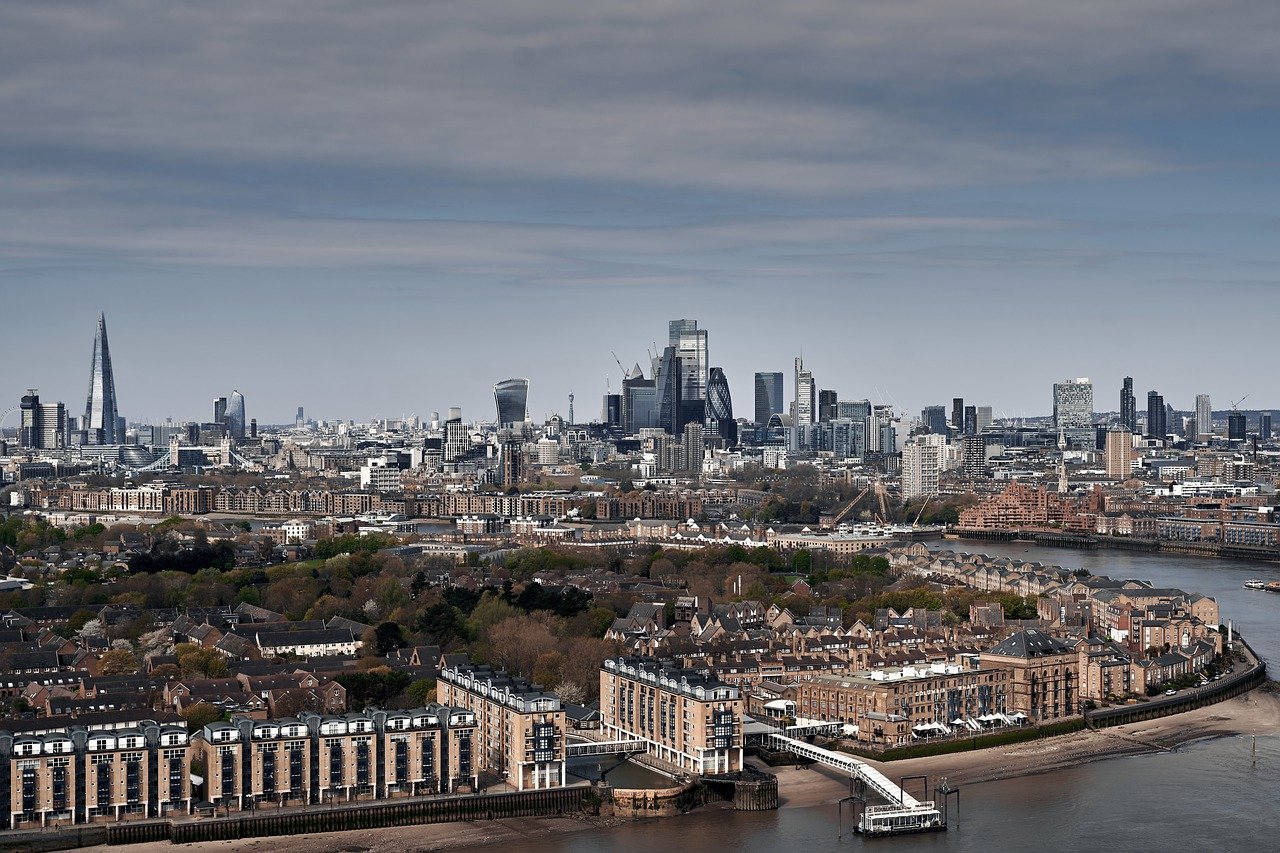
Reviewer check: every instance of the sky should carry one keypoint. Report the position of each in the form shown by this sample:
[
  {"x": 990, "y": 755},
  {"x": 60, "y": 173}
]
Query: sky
[{"x": 377, "y": 209}]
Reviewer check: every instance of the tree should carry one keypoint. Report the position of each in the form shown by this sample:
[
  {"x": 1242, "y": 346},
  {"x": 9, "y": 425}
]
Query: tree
[
  {"x": 422, "y": 692},
  {"x": 118, "y": 662},
  {"x": 200, "y": 715},
  {"x": 195, "y": 662},
  {"x": 387, "y": 637}
]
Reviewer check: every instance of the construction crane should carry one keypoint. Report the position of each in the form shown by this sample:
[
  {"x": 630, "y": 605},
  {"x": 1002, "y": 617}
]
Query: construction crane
[
  {"x": 619, "y": 363},
  {"x": 848, "y": 508},
  {"x": 916, "y": 524},
  {"x": 1235, "y": 405}
]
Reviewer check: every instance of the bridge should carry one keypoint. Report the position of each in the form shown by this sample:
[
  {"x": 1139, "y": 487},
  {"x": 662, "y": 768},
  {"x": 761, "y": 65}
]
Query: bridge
[
  {"x": 902, "y": 813},
  {"x": 605, "y": 747}
]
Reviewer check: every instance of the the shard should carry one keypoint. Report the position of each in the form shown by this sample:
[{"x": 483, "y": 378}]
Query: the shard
[{"x": 100, "y": 415}]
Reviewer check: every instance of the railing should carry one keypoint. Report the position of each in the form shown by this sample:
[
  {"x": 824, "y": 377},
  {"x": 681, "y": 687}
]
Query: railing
[{"x": 606, "y": 747}]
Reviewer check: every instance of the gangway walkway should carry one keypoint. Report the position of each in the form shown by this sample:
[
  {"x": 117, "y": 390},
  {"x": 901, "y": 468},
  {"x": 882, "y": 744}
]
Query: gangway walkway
[
  {"x": 605, "y": 747},
  {"x": 904, "y": 813}
]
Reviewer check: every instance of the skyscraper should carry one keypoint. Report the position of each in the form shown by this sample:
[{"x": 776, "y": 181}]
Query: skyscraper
[
  {"x": 690, "y": 344},
  {"x": 970, "y": 420},
  {"x": 219, "y": 410},
  {"x": 1204, "y": 417},
  {"x": 984, "y": 419},
  {"x": 511, "y": 397},
  {"x": 235, "y": 415},
  {"x": 668, "y": 378},
  {"x": 934, "y": 419},
  {"x": 1128, "y": 406},
  {"x": 1156, "y": 426},
  {"x": 720, "y": 405},
  {"x": 639, "y": 402},
  {"x": 1119, "y": 454},
  {"x": 44, "y": 425},
  {"x": 1236, "y": 430},
  {"x": 768, "y": 396},
  {"x": 806, "y": 402},
  {"x": 957, "y": 414},
  {"x": 1264, "y": 426},
  {"x": 921, "y": 462},
  {"x": 826, "y": 406},
  {"x": 1073, "y": 411},
  {"x": 101, "y": 419}
]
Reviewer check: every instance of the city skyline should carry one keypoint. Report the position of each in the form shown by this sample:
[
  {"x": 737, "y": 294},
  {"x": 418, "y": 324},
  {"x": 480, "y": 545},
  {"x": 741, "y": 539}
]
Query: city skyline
[
  {"x": 264, "y": 408},
  {"x": 799, "y": 179}
]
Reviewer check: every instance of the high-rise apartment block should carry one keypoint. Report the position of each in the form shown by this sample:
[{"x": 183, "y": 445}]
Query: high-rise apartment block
[
  {"x": 922, "y": 461},
  {"x": 1119, "y": 454},
  {"x": 1156, "y": 423},
  {"x": 1128, "y": 406},
  {"x": 1204, "y": 418}
]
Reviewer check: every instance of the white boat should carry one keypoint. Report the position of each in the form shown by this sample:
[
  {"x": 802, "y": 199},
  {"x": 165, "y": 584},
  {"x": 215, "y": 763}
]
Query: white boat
[{"x": 1255, "y": 584}]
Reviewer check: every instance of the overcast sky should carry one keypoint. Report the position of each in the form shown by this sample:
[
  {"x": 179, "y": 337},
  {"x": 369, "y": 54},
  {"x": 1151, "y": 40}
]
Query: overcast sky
[{"x": 372, "y": 209}]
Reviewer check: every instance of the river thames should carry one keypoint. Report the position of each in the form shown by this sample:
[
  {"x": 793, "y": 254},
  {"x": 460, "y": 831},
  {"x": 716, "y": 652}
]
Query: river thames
[{"x": 1207, "y": 795}]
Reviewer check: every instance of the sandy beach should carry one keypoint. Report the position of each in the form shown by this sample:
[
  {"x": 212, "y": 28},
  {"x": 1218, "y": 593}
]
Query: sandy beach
[{"x": 1255, "y": 713}]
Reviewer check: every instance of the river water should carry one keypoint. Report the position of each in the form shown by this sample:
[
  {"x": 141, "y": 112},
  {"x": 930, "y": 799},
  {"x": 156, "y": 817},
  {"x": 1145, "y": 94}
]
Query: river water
[{"x": 1208, "y": 795}]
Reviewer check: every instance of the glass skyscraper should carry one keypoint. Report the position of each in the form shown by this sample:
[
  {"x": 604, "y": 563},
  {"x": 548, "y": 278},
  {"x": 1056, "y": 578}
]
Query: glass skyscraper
[
  {"x": 511, "y": 397},
  {"x": 101, "y": 418},
  {"x": 235, "y": 415},
  {"x": 768, "y": 396}
]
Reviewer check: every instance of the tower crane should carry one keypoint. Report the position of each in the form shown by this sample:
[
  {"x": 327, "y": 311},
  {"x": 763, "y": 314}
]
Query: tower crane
[{"x": 1235, "y": 405}]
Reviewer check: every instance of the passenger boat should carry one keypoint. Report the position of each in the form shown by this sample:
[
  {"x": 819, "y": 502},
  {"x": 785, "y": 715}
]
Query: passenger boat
[
  {"x": 1272, "y": 586},
  {"x": 1255, "y": 584}
]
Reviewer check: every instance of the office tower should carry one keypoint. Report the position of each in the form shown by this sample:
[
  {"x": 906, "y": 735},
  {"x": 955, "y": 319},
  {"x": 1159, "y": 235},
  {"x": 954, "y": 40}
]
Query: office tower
[
  {"x": 1156, "y": 426},
  {"x": 848, "y": 438},
  {"x": 511, "y": 396},
  {"x": 1128, "y": 406},
  {"x": 457, "y": 441},
  {"x": 101, "y": 419},
  {"x": 768, "y": 396},
  {"x": 1172, "y": 422},
  {"x": 235, "y": 416},
  {"x": 970, "y": 420},
  {"x": 668, "y": 378},
  {"x": 854, "y": 409},
  {"x": 299, "y": 419},
  {"x": 611, "y": 411},
  {"x": 1119, "y": 454},
  {"x": 1073, "y": 411},
  {"x": 44, "y": 425},
  {"x": 1204, "y": 418},
  {"x": 826, "y": 406},
  {"x": 253, "y": 427},
  {"x": 690, "y": 344},
  {"x": 806, "y": 402},
  {"x": 984, "y": 419},
  {"x": 957, "y": 415},
  {"x": 720, "y": 405},
  {"x": 1264, "y": 426},
  {"x": 219, "y": 410},
  {"x": 694, "y": 445},
  {"x": 974, "y": 455},
  {"x": 934, "y": 419},
  {"x": 922, "y": 460},
  {"x": 1236, "y": 426},
  {"x": 639, "y": 402}
]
